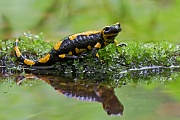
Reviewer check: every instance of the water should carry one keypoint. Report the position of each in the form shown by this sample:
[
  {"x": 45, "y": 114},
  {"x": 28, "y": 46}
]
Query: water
[{"x": 49, "y": 97}]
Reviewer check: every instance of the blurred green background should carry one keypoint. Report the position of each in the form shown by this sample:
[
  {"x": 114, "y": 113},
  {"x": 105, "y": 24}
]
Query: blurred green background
[{"x": 141, "y": 20}]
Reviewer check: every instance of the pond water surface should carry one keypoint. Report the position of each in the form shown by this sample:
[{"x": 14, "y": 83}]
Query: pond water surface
[{"x": 52, "y": 98}]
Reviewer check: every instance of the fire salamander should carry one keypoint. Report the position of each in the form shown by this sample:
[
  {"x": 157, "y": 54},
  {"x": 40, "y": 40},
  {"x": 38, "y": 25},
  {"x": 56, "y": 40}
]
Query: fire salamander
[{"x": 73, "y": 46}]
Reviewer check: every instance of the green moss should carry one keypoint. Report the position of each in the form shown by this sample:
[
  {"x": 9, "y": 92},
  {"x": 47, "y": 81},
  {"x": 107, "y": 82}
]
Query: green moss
[
  {"x": 34, "y": 45},
  {"x": 115, "y": 59},
  {"x": 149, "y": 54},
  {"x": 120, "y": 65}
]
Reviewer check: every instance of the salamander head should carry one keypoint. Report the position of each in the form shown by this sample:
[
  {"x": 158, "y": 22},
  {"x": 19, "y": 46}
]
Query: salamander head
[{"x": 110, "y": 32}]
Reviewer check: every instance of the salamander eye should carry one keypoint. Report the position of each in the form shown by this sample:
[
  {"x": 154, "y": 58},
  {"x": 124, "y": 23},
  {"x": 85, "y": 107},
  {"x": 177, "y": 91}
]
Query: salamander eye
[{"x": 106, "y": 29}]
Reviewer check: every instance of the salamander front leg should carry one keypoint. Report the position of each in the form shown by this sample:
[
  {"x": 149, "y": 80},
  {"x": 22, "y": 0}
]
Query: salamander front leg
[
  {"x": 95, "y": 54},
  {"x": 121, "y": 45}
]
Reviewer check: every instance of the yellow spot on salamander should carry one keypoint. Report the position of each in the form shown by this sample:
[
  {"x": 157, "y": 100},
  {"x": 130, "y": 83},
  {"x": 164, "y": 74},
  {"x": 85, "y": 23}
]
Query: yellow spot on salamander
[
  {"x": 109, "y": 35},
  {"x": 70, "y": 53},
  {"x": 18, "y": 53},
  {"x": 89, "y": 47},
  {"x": 29, "y": 62},
  {"x": 77, "y": 50},
  {"x": 87, "y": 33},
  {"x": 97, "y": 55},
  {"x": 57, "y": 45},
  {"x": 44, "y": 59},
  {"x": 72, "y": 37},
  {"x": 62, "y": 55},
  {"x": 98, "y": 45},
  {"x": 82, "y": 50}
]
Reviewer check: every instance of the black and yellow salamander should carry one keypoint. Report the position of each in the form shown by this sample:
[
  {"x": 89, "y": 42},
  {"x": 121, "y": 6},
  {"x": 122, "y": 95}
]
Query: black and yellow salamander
[{"x": 73, "y": 46}]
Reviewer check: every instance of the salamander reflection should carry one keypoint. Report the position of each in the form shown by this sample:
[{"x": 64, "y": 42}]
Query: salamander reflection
[{"x": 87, "y": 91}]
